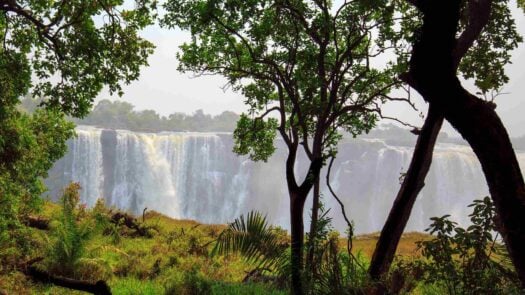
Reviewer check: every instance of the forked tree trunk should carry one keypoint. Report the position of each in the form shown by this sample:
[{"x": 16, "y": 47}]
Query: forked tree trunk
[
  {"x": 432, "y": 74},
  {"x": 298, "y": 195},
  {"x": 478, "y": 18},
  {"x": 413, "y": 182}
]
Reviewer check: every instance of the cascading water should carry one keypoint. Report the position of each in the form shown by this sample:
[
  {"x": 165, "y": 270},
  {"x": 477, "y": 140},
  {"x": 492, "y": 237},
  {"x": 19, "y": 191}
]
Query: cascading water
[{"x": 196, "y": 176}]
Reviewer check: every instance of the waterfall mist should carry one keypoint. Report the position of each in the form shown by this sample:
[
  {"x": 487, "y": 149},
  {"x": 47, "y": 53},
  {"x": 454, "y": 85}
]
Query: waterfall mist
[{"x": 196, "y": 176}]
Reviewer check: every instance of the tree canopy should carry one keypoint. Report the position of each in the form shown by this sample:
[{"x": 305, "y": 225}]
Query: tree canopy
[
  {"x": 297, "y": 58},
  {"x": 67, "y": 51}
]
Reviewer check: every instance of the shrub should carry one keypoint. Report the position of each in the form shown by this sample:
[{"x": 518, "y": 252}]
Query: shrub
[
  {"x": 252, "y": 237},
  {"x": 471, "y": 260}
]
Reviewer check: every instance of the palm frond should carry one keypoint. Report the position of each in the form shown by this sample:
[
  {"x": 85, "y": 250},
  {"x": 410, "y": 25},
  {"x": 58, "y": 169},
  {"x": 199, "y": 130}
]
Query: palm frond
[{"x": 254, "y": 239}]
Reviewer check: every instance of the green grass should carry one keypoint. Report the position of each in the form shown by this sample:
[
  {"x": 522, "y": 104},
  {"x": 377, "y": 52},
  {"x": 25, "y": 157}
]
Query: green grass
[
  {"x": 134, "y": 286},
  {"x": 244, "y": 289}
]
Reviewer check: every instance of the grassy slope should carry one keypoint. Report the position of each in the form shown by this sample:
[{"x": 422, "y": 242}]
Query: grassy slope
[{"x": 176, "y": 257}]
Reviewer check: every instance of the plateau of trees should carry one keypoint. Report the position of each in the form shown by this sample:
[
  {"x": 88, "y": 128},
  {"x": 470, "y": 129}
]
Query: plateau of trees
[{"x": 121, "y": 115}]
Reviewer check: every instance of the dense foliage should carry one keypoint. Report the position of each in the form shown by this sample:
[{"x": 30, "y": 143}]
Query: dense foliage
[
  {"x": 65, "y": 52},
  {"x": 29, "y": 145},
  {"x": 72, "y": 48}
]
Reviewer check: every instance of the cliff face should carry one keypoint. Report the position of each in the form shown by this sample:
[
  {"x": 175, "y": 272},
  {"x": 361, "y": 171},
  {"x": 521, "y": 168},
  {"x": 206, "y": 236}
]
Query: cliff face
[{"x": 196, "y": 176}]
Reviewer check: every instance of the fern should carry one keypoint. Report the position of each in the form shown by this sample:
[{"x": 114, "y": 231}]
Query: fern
[{"x": 69, "y": 235}]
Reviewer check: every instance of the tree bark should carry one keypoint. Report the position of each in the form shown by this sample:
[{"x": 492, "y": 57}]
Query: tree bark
[
  {"x": 413, "y": 182},
  {"x": 478, "y": 18},
  {"x": 297, "y": 200},
  {"x": 433, "y": 75}
]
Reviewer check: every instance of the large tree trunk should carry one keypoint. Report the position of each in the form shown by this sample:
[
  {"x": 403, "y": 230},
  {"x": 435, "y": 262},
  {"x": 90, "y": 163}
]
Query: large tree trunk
[
  {"x": 406, "y": 197},
  {"x": 297, "y": 200},
  {"x": 432, "y": 74},
  {"x": 298, "y": 195},
  {"x": 478, "y": 18}
]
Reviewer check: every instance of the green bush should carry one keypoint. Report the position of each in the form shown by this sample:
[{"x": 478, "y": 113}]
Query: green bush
[
  {"x": 71, "y": 232},
  {"x": 334, "y": 271},
  {"x": 471, "y": 260}
]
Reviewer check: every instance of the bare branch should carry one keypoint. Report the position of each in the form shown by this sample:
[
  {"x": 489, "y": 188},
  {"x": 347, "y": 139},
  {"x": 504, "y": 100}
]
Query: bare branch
[{"x": 349, "y": 244}]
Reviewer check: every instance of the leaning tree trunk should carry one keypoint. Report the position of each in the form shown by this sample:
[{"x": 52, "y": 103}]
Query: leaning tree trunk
[
  {"x": 478, "y": 18},
  {"x": 413, "y": 182},
  {"x": 432, "y": 74}
]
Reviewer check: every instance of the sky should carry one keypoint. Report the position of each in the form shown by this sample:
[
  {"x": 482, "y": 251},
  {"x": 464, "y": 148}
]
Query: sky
[{"x": 163, "y": 89}]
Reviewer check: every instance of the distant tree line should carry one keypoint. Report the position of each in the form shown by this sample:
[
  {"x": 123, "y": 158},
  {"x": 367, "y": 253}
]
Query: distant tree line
[{"x": 122, "y": 115}]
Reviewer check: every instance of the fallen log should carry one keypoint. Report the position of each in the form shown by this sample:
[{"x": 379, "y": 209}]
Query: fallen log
[
  {"x": 99, "y": 288},
  {"x": 130, "y": 222},
  {"x": 36, "y": 222}
]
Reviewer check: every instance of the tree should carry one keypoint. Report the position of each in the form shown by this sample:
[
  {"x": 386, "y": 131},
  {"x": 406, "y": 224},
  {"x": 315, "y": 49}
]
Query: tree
[
  {"x": 487, "y": 35},
  {"x": 432, "y": 73},
  {"x": 64, "y": 52},
  {"x": 29, "y": 145},
  {"x": 303, "y": 60}
]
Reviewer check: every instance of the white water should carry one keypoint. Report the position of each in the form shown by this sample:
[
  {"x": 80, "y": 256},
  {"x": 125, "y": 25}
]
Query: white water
[{"x": 196, "y": 176}]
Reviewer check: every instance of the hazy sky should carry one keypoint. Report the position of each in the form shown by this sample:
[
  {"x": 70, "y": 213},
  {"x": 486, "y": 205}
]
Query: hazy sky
[{"x": 166, "y": 91}]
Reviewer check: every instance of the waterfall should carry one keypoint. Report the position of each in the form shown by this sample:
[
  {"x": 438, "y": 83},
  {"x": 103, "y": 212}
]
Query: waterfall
[{"x": 196, "y": 176}]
